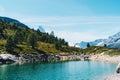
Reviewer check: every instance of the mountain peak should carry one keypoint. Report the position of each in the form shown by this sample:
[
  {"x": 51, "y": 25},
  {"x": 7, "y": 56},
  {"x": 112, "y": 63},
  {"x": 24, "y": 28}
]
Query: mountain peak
[
  {"x": 115, "y": 35},
  {"x": 41, "y": 29}
]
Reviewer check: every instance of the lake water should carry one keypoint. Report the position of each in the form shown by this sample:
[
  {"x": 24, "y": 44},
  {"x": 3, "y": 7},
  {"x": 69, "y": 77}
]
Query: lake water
[{"x": 74, "y": 70}]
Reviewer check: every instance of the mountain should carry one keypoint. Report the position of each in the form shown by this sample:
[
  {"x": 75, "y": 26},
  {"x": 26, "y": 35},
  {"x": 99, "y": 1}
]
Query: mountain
[
  {"x": 13, "y": 21},
  {"x": 16, "y": 38},
  {"x": 83, "y": 44},
  {"x": 41, "y": 29},
  {"x": 111, "y": 42}
]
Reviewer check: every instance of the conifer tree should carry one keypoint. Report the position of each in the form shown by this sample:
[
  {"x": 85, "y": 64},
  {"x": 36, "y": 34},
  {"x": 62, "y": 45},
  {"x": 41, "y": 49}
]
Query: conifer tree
[
  {"x": 88, "y": 44},
  {"x": 32, "y": 40},
  {"x": 9, "y": 45}
]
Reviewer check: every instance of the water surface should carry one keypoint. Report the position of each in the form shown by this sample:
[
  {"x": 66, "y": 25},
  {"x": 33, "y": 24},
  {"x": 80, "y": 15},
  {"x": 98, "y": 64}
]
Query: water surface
[{"x": 74, "y": 70}]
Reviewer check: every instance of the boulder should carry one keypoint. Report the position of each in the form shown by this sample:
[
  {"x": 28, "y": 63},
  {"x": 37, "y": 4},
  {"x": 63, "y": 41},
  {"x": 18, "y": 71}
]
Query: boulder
[
  {"x": 7, "y": 58},
  {"x": 118, "y": 69}
]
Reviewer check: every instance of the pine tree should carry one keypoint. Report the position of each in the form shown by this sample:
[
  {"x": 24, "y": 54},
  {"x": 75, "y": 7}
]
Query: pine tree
[
  {"x": 32, "y": 40},
  {"x": 58, "y": 46},
  {"x": 1, "y": 32},
  {"x": 10, "y": 45},
  {"x": 18, "y": 37},
  {"x": 88, "y": 44},
  {"x": 105, "y": 45},
  {"x": 66, "y": 43}
]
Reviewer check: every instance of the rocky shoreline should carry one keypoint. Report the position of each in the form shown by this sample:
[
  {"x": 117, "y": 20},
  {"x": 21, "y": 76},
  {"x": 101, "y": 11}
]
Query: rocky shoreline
[
  {"x": 41, "y": 58},
  {"x": 111, "y": 59},
  {"x": 105, "y": 58}
]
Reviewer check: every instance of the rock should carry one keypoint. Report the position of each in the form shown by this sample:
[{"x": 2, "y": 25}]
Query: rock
[
  {"x": 41, "y": 58},
  {"x": 113, "y": 77},
  {"x": 70, "y": 58},
  {"x": 118, "y": 69},
  {"x": 7, "y": 58}
]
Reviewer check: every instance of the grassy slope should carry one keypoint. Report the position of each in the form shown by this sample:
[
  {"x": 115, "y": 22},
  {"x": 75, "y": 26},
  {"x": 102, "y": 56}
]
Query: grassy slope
[
  {"x": 50, "y": 49},
  {"x": 98, "y": 50},
  {"x": 45, "y": 47},
  {"x": 24, "y": 48},
  {"x": 41, "y": 46}
]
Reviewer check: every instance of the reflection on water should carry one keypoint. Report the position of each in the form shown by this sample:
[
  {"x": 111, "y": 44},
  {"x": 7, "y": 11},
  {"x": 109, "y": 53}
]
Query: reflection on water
[{"x": 74, "y": 70}]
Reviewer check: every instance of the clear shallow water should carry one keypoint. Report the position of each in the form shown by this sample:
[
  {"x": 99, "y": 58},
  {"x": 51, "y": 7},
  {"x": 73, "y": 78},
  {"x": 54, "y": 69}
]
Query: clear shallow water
[{"x": 74, "y": 70}]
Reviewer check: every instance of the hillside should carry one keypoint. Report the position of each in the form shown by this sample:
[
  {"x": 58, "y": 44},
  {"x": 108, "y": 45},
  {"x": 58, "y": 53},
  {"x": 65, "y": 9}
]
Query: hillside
[
  {"x": 16, "y": 38},
  {"x": 13, "y": 21},
  {"x": 100, "y": 50}
]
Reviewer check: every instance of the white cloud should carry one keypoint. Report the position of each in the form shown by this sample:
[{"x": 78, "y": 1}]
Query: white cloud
[{"x": 71, "y": 21}]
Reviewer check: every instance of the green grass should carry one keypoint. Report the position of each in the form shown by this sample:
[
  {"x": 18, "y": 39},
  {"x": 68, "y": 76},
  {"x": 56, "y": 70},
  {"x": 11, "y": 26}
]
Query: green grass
[
  {"x": 47, "y": 47},
  {"x": 24, "y": 48},
  {"x": 113, "y": 52},
  {"x": 99, "y": 50},
  {"x": 9, "y": 32},
  {"x": 2, "y": 44},
  {"x": 41, "y": 46}
]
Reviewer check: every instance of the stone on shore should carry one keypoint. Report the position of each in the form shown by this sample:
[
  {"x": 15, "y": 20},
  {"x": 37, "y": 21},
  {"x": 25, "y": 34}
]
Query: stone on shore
[
  {"x": 7, "y": 58},
  {"x": 118, "y": 69},
  {"x": 115, "y": 76}
]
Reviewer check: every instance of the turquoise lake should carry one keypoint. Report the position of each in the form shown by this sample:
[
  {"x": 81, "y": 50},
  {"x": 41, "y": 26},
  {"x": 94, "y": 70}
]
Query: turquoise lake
[{"x": 73, "y": 70}]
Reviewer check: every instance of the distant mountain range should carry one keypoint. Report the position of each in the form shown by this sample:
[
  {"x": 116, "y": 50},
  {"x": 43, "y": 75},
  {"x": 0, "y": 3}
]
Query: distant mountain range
[
  {"x": 111, "y": 42},
  {"x": 13, "y": 21}
]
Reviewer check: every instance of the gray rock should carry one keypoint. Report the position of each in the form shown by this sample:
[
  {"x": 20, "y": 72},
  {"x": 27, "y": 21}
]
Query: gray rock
[{"x": 118, "y": 69}]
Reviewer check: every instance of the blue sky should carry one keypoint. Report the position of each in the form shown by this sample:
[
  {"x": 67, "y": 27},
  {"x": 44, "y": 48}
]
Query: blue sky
[{"x": 74, "y": 20}]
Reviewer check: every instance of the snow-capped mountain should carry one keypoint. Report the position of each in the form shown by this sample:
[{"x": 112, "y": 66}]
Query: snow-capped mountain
[
  {"x": 83, "y": 44},
  {"x": 41, "y": 29},
  {"x": 111, "y": 42}
]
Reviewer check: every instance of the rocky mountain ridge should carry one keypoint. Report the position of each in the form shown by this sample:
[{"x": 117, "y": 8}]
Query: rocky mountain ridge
[{"x": 111, "y": 42}]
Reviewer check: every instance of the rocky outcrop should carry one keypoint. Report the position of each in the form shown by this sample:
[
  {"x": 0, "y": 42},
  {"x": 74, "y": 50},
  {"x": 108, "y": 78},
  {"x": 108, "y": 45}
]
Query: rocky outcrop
[
  {"x": 70, "y": 58},
  {"x": 48, "y": 58},
  {"x": 7, "y": 58},
  {"x": 41, "y": 58},
  {"x": 115, "y": 76},
  {"x": 118, "y": 69},
  {"x": 32, "y": 58}
]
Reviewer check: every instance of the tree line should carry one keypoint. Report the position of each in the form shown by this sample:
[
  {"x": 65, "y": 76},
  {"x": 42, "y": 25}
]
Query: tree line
[{"x": 15, "y": 34}]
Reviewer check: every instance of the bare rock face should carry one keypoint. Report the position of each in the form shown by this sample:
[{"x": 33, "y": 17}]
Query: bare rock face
[
  {"x": 7, "y": 58},
  {"x": 118, "y": 69}
]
